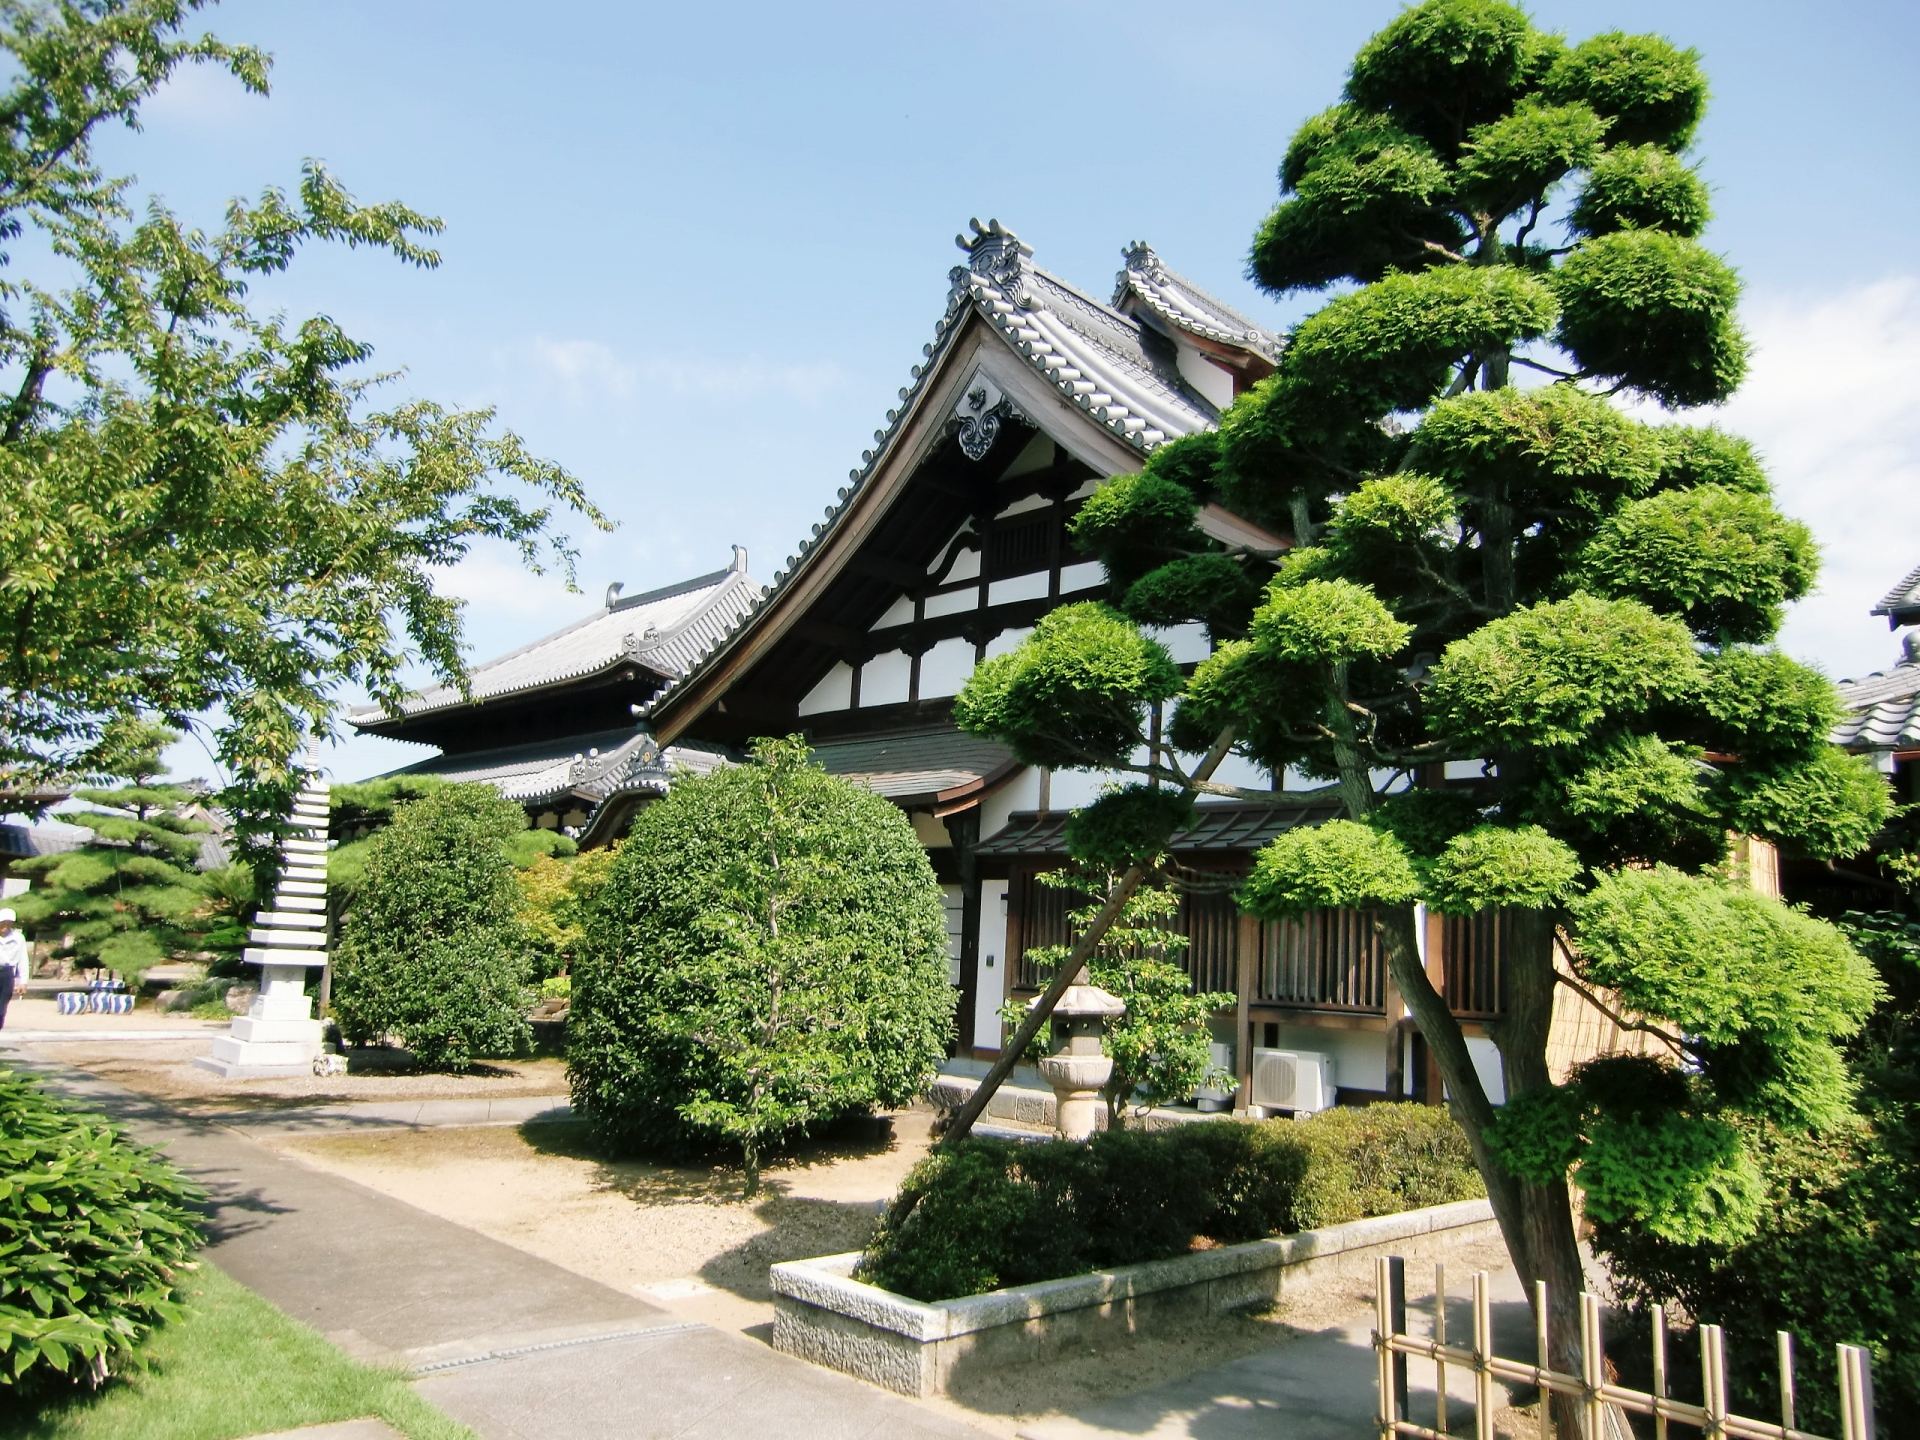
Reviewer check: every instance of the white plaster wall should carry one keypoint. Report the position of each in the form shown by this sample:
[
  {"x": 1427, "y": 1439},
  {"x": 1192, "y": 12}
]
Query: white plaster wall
[
  {"x": 966, "y": 566},
  {"x": 1203, "y": 375},
  {"x": 1186, "y": 643},
  {"x": 1007, "y": 641},
  {"x": 1491, "y": 1070},
  {"x": 1074, "y": 788},
  {"x": 1022, "y": 792},
  {"x": 951, "y": 603},
  {"x": 884, "y": 680},
  {"x": 993, "y": 964},
  {"x": 1018, "y": 587},
  {"x": 1087, "y": 575},
  {"x": 945, "y": 668},
  {"x": 898, "y": 613},
  {"x": 1021, "y": 507},
  {"x": 834, "y": 692},
  {"x": 1359, "y": 1056}
]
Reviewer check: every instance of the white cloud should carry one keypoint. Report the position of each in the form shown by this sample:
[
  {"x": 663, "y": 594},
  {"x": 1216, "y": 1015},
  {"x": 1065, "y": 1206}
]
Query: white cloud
[
  {"x": 590, "y": 370},
  {"x": 1833, "y": 404}
]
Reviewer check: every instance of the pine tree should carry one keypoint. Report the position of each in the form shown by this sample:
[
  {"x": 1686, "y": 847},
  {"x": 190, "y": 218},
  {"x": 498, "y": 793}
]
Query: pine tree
[
  {"x": 131, "y": 898},
  {"x": 1523, "y": 575}
]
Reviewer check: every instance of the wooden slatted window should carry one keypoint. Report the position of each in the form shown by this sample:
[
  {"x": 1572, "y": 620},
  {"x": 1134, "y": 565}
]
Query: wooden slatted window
[
  {"x": 1212, "y": 926},
  {"x": 1043, "y": 922},
  {"x": 1323, "y": 960},
  {"x": 1015, "y": 546},
  {"x": 1475, "y": 956}
]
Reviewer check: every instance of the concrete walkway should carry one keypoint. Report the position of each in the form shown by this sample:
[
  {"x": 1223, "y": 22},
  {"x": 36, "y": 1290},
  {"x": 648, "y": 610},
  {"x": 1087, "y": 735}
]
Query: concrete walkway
[
  {"x": 1316, "y": 1387},
  {"x": 509, "y": 1344}
]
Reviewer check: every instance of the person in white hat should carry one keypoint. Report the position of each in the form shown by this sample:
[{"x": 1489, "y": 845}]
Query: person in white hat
[{"x": 14, "y": 961}]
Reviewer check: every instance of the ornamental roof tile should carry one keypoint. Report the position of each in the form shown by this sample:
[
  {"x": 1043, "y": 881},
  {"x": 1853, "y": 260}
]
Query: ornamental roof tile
[
  {"x": 589, "y": 767},
  {"x": 1177, "y": 301},
  {"x": 665, "y": 631},
  {"x": 1112, "y": 367},
  {"x": 1902, "y": 603},
  {"x": 1883, "y": 710}
]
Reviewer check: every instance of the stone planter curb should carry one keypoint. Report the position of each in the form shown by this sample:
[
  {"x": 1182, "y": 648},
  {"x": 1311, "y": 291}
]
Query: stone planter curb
[{"x": 824, "y": 1315}]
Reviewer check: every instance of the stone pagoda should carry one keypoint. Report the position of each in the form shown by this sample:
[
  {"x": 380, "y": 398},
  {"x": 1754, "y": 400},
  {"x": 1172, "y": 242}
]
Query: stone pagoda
[{"x": 278, "y": 1035}]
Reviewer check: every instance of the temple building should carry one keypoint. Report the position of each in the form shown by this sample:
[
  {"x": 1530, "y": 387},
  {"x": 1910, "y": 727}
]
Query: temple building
[{"x": 946, "y": 545}]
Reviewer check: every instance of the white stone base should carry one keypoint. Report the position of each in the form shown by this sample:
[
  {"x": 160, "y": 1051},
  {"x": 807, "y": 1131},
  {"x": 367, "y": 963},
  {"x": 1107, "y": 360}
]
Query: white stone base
[{"x": 277, "y": 1035}]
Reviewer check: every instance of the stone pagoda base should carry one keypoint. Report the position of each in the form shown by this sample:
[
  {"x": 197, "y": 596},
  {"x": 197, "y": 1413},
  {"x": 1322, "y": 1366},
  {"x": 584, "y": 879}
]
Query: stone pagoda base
[{"x": 277, "y": 1036}]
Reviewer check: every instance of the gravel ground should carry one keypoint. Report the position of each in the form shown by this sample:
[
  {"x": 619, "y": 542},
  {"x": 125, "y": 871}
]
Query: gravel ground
[
  {"x": 684, "y": 1236},
  {"x": 165, "y": 1070}
]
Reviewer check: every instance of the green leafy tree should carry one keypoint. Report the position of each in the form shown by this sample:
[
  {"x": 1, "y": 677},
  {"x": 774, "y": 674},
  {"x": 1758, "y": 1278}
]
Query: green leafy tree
[
  {"x": 767, "y": 953},
  {"x": 433, "y": 952},
  {"x": 557, "y": 893},
  {"x": 1526, "y": 577},
  {"x": 206, "y": 508},
  {"x": 132, "y": 897},
  {"x": 1160, "y": 1047}
]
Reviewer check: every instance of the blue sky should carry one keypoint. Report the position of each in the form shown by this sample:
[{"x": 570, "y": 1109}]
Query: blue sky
[{"x": 691, "y": 251}]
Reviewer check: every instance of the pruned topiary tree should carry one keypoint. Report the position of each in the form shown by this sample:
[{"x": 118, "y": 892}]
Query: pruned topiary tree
[
  {"x": 1525, "y": 576},
  {"x": 433, "y": 951},
  {"x": 768, "y": 952}
]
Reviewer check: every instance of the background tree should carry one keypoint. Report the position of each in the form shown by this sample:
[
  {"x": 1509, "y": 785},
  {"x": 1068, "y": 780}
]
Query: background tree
[
  {"x": 1161, "y": 1047},
  {"x": 1525, "y": 577},
  {"x": 433, "y": 952},
  {"x": 204, "y": 509},
  {"x": 767, "y": 953},
  {"x": 132, "y": 897},
  {"x": 557, "y": 892}
]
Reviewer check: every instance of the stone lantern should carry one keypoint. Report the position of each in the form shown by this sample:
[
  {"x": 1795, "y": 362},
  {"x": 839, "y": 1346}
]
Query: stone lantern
[{"x": 1076, "y": 1070}]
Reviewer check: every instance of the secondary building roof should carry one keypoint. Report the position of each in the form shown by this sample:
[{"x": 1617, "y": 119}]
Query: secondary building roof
[
  {"x": 1176, "y": 301},
  {"x": 1902, "y": 603},
  {"x": 1223, "y": 827},
  {"x": 1883, "y": 710},
  {"x": 936, "y": 766},
  {"x": 587, "y": 768},
  {"x": 665, "y": 631}
]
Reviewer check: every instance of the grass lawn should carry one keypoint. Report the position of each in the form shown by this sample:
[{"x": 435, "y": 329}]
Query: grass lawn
[{"x": 201, "y": 1381}]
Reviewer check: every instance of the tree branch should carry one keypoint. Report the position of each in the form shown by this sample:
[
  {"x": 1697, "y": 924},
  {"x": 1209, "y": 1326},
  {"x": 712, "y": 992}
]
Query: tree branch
[{"x": 1678, "y": 1045}]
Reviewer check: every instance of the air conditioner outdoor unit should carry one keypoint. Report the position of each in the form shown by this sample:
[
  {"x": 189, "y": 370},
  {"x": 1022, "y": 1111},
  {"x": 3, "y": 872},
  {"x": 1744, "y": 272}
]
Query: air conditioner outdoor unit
[{"x": 1297, "y": 1080}]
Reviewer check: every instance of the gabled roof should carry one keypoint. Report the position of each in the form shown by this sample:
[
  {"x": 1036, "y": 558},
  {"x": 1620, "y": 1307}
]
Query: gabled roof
[
  {"x": 586, "y": 767},
  {"x": 1902, "y": 603},
  {"x": 1114, "y": 368},
  {"x": 1177, "y": 302},
  {"x": 665, "y": 631}
]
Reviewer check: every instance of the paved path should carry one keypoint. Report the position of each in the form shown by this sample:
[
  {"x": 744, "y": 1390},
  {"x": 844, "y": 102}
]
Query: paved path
[
  {"x": 1317, "y": 1387},
  {"x": 513, "y": 1346}
]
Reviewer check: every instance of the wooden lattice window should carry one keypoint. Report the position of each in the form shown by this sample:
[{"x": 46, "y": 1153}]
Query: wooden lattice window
[
  {"x": 1212, "y": 925},
  {"x": 1020, "y": 545},
  {"x": 1323, "y": 960},
  {"x": 1474, "y": 954}
]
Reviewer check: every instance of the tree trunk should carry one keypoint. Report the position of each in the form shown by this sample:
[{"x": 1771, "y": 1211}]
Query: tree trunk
[{"x": 1536, "y": 1221}]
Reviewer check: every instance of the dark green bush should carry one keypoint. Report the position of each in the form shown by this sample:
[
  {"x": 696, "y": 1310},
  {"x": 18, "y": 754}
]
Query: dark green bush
[
  {"x": 767, "y": 953},
  {"x": 1835, "y": 1259},
  {"x": 94, "y": 1231},
  {"x": 985, "y": 1214},
  {"x": 433, "y": 951}
]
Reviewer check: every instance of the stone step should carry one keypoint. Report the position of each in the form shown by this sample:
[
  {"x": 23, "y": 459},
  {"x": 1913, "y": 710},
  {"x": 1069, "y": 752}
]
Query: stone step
[{"x": 276, "y": 936}]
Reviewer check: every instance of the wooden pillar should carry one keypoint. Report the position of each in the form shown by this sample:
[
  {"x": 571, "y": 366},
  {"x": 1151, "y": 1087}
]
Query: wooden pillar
[
  {"x": 964, "y": 829},
  {"x": 1246, "y": 955}
]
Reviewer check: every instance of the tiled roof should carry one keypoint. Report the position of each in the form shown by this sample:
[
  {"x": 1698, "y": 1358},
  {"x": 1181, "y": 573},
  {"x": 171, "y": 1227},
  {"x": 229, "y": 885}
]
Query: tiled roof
[
  {"x": 20, "y": 839},
  {"x": 1232, "y": 827},
  {"x": 665, "y": 630},
  {"x": 1883, "y": 710},
  {"x": 898, "y": 766},
  {"x": 1104, "y": 363},
  {"x": 1902, "y": 603},
  {"x": 590, "y": 767},
  {"x": 1178, "y": 302}
]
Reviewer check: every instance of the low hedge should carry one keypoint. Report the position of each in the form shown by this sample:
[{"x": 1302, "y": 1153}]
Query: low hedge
[
  {"x": 981, "y": 1215},
  {"x": 94, "y": 1233}
]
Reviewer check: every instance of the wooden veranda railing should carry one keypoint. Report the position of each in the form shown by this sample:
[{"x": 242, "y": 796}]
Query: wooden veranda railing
[{"x": 1599, "y": 1400}]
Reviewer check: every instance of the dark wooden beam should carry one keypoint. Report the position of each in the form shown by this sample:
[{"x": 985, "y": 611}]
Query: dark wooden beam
[
  {"x": 838, "y": 636},
  {"x": 881, "y": 567}
]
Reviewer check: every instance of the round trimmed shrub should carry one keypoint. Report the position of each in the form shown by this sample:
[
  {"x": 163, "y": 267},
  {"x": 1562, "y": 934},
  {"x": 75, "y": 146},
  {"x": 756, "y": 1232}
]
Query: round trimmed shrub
[
  {"x": 433, "y": 952},
  {"x": 94, "y": 1232},
  {"x": 767, "y": 953}
]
